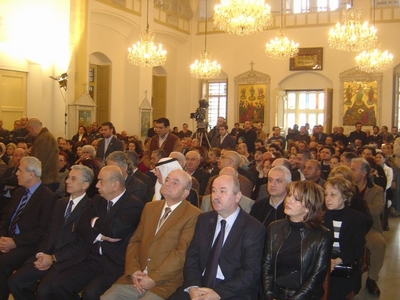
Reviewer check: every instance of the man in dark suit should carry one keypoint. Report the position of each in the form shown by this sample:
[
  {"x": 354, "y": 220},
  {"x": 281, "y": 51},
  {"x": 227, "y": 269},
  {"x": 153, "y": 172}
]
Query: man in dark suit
[
  {"x": 134, "y": 186},
  {"x": 319, "y": 135},
  {"x": 224, "y": 258},
  {"x": 153, "y": 130},
  {"x": 25, "y": 220},
  {"x": 250, "y": 136},
  {"x": 113, "y": 218},
  {"x": 63, "y": 245},
  {"x": 109, "y": 143},
  {"x": 224, "y": 141},
  {"x": 192, "y": 168},
  {"x": 358, "y": 134},
  {"x": 156, "y": 251}
]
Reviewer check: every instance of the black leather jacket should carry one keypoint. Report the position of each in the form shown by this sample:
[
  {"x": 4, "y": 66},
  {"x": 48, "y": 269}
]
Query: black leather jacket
[{"x": 316, "y": 249}]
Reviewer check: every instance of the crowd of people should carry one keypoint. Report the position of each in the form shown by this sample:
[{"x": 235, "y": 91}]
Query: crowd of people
[{"x": 243, "y": 214}]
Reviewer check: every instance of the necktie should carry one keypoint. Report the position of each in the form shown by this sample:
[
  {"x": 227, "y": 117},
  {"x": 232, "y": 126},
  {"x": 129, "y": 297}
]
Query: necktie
[
  {"x": 167, "y": 211},
  {"x": 109, "y": 205},
  {"x": 14, "y": 220},
  {"x": 212, "y": 264},
  {"x": 69, "y": 210}
]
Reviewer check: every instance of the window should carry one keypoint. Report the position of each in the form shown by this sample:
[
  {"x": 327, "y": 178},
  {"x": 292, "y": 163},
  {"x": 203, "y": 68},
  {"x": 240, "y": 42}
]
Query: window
[
  {"x": 385, "y": 3},
  {"x": 305, "y": 6},
  {"x": 304, "y": 107},
  {"x": 217, "y": 100}
]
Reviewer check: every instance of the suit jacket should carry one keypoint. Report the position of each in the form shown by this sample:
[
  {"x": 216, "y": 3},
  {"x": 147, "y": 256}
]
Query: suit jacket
[
  {"x": 172, "y": 143},
  {"x": 202, "y": 177},
  {"x": 135, "y": 187},
  {"x": 321, "y": 138},
  {"x": 240, "y": 258},
  {"x": 120, "y": 222},
  {"x": 163, "y": 253},
  {"x": 34, "y": 219},
  {"x": 64, "y": 239},
  {"x": 229, "y": 142},
  {"x": 355, "y": 135},
  {"x": 114, "y": 145}
]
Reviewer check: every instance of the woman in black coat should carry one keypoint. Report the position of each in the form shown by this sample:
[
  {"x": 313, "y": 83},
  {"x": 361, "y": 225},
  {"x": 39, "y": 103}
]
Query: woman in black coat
[{"x": 348, "y": 228}]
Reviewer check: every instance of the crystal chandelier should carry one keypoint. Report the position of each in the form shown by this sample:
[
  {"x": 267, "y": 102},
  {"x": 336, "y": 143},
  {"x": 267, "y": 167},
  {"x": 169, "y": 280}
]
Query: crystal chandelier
[
  {"x": 205, "y": 68},
  {"x": 352, "y": 35},
  {"x": 145, "y": 53},
  {"x": 242, "y": 17},
  {"x": 374, "y": 61},
  {"x": 281, "y": 47}
]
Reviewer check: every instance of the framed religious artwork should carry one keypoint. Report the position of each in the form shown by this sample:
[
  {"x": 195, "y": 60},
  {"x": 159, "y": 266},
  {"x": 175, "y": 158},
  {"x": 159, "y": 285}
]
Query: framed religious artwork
[
  {"x": 252, "y": 99},
  {"x": 307, "y": 59},
  {"x": 146, "y": 112},
  {"x": 360, "y": 102}
]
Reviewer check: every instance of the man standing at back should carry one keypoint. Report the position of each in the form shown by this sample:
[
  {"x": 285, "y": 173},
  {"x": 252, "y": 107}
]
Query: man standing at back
[
  {"x": 25, "y": 220},
  {"x": 163, "y": 139},
  {"x": 109, "y": 143},
  {"x": 224, "y": 258},
  {"x": 157, "y": 249},
  {"x": 45, "y": 149}
]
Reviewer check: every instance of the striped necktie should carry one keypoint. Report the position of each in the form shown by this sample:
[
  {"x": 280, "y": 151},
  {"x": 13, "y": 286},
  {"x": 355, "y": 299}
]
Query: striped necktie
[
  {"x": 69, "y": 210},
  {"x": 15, "y": 219}
]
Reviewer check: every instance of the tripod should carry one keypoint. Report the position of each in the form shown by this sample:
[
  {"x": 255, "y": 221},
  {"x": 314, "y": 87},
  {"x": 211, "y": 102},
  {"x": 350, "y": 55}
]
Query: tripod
[{"x": 200, "y": 134}]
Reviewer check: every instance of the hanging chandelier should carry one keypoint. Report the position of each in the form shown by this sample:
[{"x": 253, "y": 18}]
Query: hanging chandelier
[
  {"x": 374, "y": 61},
  {"x": 205, "y": 68},
  {"x": 281, "y": 47},
  {"x": 145, "y": 53},
  {"x": 352, "y": 35},
  {"x": 242, "y": 17}
]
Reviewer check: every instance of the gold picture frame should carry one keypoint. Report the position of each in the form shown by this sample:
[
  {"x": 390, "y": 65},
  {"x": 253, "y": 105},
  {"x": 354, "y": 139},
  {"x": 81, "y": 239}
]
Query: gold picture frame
[
  {"x": 251, "y": 101},
  {"x": 307, "y": 59}
]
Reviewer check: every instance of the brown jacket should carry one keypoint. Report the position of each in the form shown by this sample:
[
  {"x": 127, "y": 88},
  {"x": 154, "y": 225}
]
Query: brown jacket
[
  {"x": 45, "y": 149},
  {"x": 164, "y": 253},
  {"x": 172, "y": 143}
]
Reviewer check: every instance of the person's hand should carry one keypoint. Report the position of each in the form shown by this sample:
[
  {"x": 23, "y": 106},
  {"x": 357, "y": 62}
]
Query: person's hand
[
  {"x": 43, "y": 262},
  {"x": 7, "y": 244},
  {"x": 335, "y": 262},
  {"x": 206, "y": 294},
  {"x": 136, "y": 278},
  {"x": 194, "y": 292},
  {"x": 109, "y": 239},
  {"x": 147, "y": 283}
]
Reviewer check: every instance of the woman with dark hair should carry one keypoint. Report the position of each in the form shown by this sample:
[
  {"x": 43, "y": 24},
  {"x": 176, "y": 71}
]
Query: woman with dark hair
[
  {"x": 63, "y": 171},
  {"x": 348, "y": 228},
  {"x": 81, "y": 136},
  {"x": 203, "y": 157},
  {"x": 298, "y": 248}
]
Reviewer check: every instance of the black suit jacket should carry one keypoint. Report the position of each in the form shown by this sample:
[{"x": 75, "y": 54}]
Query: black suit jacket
[
  {"x": 65, "y": 239},
  {"x": 34, "y": 219},
  {"x": 229, "y": 142},
  {"x": 240, "y": 259},
  {"x": 120, "y": 222},
  {"x": 354, "y": 135},
  {"x": 114, "y": 145},
  {"x": 202, "y": 177},
  {"x": 135, "y": 187}
]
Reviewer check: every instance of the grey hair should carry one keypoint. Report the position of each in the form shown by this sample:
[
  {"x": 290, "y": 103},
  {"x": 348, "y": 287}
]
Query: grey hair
[
  {"x": 87, "y": 173},
  {"x": 364, "y": 164},
  {"x": 33, "y": 165},
  {"x": 285, "y": 171},
  {"x": 119, "y": 158},
  {"x": 116, "y": 175},
  {"x": 90, "y": 149}
]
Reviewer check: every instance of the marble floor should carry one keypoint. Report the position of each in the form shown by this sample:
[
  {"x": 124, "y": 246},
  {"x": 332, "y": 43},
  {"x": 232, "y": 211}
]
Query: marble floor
[{"x": 389, "y": 276}]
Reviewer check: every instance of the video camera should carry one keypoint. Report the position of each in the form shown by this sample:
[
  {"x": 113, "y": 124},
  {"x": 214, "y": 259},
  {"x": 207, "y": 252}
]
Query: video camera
[{"x": 200, "y": 114}]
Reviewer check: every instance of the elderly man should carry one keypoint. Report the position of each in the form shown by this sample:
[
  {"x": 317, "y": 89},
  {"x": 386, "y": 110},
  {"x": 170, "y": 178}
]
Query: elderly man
[
  {"x": 245, "y": 202},
  {"x": 270, "y": 209},
  {"x": 232, "y": 159},
  {"x": 312, "y": 172},
  {"x": 25, "y": 220},
  {"x": 63, "y": 246},
  {"x": 162, "y": 140},
  {"x": 45, "y": 149},
  {"x": 134, "y": 186},
  {"x": 156, "y": 252},
  {"x": 224, "y": 258},
  {"x": 375, "y": 242},
  {"x": 192, "y": 168},
  {"x": 113, "y": 218}
]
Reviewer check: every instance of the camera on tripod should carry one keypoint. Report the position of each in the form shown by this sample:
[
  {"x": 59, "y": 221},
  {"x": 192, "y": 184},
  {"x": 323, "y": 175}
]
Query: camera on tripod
[{"x": 200, "y": 114}]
